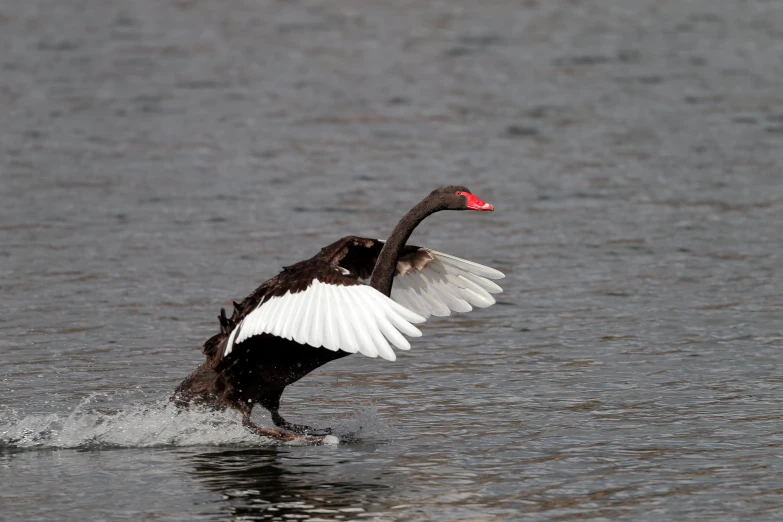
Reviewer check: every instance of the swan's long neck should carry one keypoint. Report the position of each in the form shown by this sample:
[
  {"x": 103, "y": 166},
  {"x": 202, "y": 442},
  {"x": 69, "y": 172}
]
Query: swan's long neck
[{"x": 383, "y": 273}]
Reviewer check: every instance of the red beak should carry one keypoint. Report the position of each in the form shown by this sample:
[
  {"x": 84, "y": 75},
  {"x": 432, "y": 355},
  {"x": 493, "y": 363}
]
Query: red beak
[{"x": 475, "y": 203}]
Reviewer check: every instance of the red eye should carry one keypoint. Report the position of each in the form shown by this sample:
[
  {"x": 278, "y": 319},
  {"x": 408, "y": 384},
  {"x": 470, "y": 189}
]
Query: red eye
[{"x": 459, "y": 193}]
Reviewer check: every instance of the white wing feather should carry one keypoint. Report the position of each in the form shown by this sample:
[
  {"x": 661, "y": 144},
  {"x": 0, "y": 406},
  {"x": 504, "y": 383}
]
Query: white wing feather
[
  {"x": 354, "y": 318},
  {"x": 429, "y": 282}
]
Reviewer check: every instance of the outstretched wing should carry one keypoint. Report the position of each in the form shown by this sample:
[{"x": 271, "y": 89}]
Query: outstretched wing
[
  {"x": 318, "y": 303},
  {"x": 321, "y": 302},
  {"x": 351, "y": 317},
  {"x": 427, "y": 282}
]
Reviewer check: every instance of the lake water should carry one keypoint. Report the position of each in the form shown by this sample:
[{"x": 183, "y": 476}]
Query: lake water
[{"x": 158, "y": 160}]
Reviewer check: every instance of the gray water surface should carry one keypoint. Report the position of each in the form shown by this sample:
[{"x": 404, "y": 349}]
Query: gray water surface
[{"x": 160, "y": 159}]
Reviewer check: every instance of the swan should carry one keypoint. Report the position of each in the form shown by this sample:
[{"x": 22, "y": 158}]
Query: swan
[{"x": 321, "y": 309}]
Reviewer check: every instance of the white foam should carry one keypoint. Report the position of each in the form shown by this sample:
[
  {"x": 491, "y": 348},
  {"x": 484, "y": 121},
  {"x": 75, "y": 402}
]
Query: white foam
[{"x": 159, "y": 424}]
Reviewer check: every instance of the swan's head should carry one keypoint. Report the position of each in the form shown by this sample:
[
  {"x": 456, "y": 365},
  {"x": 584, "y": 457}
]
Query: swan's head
[{"x": 457, "y": 197}]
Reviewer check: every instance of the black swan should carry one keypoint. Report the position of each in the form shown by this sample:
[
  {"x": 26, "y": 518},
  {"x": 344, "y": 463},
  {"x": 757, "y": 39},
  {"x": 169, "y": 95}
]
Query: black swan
[{"x": 320, "y": 310}]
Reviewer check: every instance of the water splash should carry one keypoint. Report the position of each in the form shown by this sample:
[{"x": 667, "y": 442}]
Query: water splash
[
  {"x": 155, "y": 424},
  {"x": 365, "y": 425}
]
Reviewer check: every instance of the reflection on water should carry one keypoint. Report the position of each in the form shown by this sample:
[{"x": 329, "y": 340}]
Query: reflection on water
[
  {"x": 274, "y": 482},
  {"x": 363, "y": 481}
]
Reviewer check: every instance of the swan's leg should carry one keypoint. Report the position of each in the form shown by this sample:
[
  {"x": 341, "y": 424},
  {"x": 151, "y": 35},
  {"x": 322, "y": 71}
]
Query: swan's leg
[
  {"x": 266, "y": 432},
  {"x": 277, "y": 434},
  {"x": 272, "y": 404}
]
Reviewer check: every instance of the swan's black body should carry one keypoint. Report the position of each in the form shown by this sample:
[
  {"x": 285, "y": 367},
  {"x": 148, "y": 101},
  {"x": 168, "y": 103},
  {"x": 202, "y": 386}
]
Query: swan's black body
[{"x": 261, "y": 366}]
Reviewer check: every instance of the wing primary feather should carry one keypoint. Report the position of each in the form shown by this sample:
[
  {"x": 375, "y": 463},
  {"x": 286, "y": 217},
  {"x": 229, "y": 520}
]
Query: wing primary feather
[
  {"x": 417, "y": 305},
  {"x": 331, "y": 336},
  {"x": 279, "y": 305},
  {"x": 230, "y": 342},
  {"x": 302, "y": 329},
  {"x": 407, "y": 313},
  {"x": 261, "y": 323},
  {"x": 434, "y": 305},
  {"x": 315, "y": 337},
  {"x": 385, "y": 326},
  {"x": 391, "y": 315},
  {"x": 268, "y": 310},
  {"x": 452, "y": 301},
  {"x": 347, "y": 341},
  {"x": 469, "y": 266},
  {"x": 478, "y": 289},
  {"x": 415, "y": 296},
  {"x": 444, "y": 284},
  {"x": 391, "y": 333},
  {"x": 246, "y": 329},
  {"x": 402, "y": 325},
  {"x": 430, "y": 286},
  {"x": 292, "y": 313},
  {"x": 399, "y": 296},
  {"x": 436, "y": 266},
  {"x": 359, "y": 318},
  {"x": 265, "y": 316},
  {"x": 381, "y": 344},
  {"x": 475, "y": 299},
  {"x": 483, "y": 282}
]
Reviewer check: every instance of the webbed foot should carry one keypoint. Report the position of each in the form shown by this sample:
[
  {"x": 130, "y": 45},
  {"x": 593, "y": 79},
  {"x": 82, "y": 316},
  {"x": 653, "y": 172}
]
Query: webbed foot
[
  {"x": 300, "y": 429},
  {"x": 314, "y": 439}
]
